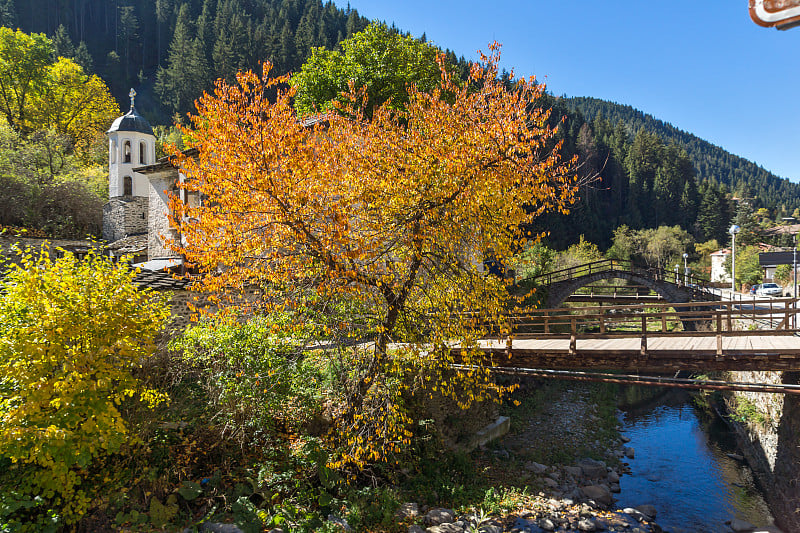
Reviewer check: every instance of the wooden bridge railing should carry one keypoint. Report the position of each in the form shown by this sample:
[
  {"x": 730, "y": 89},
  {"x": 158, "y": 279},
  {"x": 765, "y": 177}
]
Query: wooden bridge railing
[
  {"x": 708, "y": 319},
  {"x": 704, "y": 319}
]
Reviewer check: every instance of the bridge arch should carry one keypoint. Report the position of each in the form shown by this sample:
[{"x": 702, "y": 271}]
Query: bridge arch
[{"x": 559, "y": 291}]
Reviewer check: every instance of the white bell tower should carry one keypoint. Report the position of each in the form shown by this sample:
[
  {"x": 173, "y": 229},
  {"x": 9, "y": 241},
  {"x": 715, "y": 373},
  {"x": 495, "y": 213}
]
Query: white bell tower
[{"x": 131, "y": 144}]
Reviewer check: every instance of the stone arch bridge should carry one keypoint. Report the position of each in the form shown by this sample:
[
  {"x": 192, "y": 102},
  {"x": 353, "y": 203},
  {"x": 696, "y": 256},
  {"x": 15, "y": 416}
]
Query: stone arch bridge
[{"x": 561, "y": 284}]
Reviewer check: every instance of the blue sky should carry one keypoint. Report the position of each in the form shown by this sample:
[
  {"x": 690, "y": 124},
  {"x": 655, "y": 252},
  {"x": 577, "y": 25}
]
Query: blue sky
[{"x": 704, "y": 67}]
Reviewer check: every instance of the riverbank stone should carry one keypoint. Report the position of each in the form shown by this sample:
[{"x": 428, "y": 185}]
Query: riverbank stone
[
  {"x": 598, "y": 493},
  {"x": 446, "y": 528},
  {"x": 439, "y": 515},
  {"x": 415, "y": 529},
  {"x": 536, "y": 468},
  {"x": 648, "y": 510},
  {"x": 629, "y": 452},
  {"x": 547, "y": 524},
  {"x": 741, "y": 526},
  {"x": 592, "y": 469}
]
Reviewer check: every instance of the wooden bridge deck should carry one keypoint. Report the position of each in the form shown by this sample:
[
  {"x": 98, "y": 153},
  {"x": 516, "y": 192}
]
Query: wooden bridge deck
[
  {"x": 656, "y": 353},
  {"x": 758, "y": 335}
]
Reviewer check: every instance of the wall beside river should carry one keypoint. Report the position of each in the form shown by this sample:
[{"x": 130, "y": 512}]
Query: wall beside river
[{"x": 768, "y": 429}]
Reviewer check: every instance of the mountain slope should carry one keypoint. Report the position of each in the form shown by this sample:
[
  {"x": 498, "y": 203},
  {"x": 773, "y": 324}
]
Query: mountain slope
[{"x": 711, "y": 162}]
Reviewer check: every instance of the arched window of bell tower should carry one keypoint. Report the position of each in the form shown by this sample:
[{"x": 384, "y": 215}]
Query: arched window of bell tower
[
  {"x": 142, "y": 153},
  {"x": 113, "y": 150},
  {"x": 126, "y": 152},
  {"x": 127, "y": 186}
]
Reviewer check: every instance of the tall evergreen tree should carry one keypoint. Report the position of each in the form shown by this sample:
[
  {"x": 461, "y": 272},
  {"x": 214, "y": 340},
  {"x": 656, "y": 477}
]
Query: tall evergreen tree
[
  {"x": 746, "y": 220},
  {"x": 642, "y": 162},
  {"x": 62, "y": 44},
  {"x": 689, "y": 205},
  {"x": 84, "y": 58},
  {"x": 186, "y": 74},
  {"x": 712, "y": 217},
  {"x": 8, "y": 14}
]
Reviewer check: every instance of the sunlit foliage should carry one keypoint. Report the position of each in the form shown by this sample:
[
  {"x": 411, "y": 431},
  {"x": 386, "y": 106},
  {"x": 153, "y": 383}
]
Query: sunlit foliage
[
  {"x": 37, "y": 93},
  {"x": 393, "y": 216},
  {"x": 71, "y": 334}
]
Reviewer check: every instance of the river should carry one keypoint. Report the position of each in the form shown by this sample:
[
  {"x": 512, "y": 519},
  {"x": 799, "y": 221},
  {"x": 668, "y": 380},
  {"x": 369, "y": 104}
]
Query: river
[{"x": 681, "y": 467}]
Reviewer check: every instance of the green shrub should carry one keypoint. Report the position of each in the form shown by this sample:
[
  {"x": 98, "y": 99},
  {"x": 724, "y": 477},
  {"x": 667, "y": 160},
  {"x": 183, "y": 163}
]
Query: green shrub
[{"x": 257, "y": 378}]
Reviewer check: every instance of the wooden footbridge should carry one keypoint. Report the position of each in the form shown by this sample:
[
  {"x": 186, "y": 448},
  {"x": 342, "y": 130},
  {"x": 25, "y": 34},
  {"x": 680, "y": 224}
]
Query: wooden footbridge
[
  {"x": 689, "y": 328},
  {"x": 752, "y": 335}
]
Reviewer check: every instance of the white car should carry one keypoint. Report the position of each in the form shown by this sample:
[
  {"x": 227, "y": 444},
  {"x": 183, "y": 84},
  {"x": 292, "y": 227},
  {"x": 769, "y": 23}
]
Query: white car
[{"x": 769, "y": 289}]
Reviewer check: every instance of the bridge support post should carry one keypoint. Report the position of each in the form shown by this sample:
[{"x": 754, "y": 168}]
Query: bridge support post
[
  {"x": 730, "y": 311},
  {"x": 643, "y": 349},
  {"x": 573, "y": 341}
]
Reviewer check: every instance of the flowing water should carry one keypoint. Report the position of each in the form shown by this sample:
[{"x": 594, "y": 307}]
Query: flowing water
[{"x": 681, "y": 467}]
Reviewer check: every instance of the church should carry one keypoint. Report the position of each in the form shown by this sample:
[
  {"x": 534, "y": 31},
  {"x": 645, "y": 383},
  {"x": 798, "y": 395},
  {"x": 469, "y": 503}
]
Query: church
[{"x": 135, "y": 219}]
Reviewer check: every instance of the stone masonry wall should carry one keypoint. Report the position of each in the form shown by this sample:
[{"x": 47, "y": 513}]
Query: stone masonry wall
[
  {"x": 770, "y": 439},
  {"x": 160, "y": 231},
  {"x": 124, "y": 216}
]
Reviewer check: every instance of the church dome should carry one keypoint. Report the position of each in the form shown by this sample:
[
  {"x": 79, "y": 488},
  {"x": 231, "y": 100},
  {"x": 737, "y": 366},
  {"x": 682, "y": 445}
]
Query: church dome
[{"x": 131, "y": 121}]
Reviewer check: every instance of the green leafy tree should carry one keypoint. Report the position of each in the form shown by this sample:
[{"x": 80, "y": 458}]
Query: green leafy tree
[
  {"x": 254, "y": 374},
  {"x": 748, "y": 268},
  {"x": 783, "y": 274},
  {"x": 38, "y": 93},
  {"x": 578, "y": 254},
  {"x": 378, "y": 59},
  {"x": 72, "y": 333},
  {"x": 627, "y": 244},
  {"x": 659, "y": 247},
  {"x": 73, "y": 104},
  {"x": 537, "y": 259},
  {"x": 23, "y": 73},
  {"x": 665, "y": 245}
]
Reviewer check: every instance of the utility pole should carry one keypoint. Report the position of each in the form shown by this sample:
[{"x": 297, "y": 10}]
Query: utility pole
[{"x": 733, "y": 231}]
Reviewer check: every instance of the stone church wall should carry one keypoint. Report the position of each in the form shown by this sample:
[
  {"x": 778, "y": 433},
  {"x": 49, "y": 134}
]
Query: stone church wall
[
  {"x": 124, "y": 216},
  {"x": 160, "y": 230}
]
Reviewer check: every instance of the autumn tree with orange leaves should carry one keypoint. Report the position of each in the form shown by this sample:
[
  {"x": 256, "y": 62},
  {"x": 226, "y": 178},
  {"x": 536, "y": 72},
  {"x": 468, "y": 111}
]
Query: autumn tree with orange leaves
[{"x": 391, "y": 217}]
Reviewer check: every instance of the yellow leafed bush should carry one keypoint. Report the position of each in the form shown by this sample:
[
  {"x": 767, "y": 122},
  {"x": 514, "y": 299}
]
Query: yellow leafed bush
[{"x": 71, "y": 334}]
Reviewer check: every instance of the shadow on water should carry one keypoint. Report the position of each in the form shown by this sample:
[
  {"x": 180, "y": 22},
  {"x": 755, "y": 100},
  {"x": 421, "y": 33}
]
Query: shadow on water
[{"x": 681, "y": 467}]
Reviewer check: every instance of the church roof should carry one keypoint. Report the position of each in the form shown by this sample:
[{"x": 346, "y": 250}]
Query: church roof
[{"x": 131, "y": 121}]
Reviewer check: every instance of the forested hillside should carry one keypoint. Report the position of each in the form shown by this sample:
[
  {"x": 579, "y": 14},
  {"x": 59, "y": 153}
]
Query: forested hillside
[
  {"x": 712, "y": 163},
  {"x": 171, "y": 50}
]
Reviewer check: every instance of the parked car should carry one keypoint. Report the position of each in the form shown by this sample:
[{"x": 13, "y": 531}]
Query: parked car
[{"x": 769, "y": 289}]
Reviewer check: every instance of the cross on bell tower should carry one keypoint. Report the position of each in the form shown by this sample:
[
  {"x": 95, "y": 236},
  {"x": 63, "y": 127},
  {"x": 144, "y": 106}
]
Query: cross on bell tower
[{"x": 132, "y": 95}]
